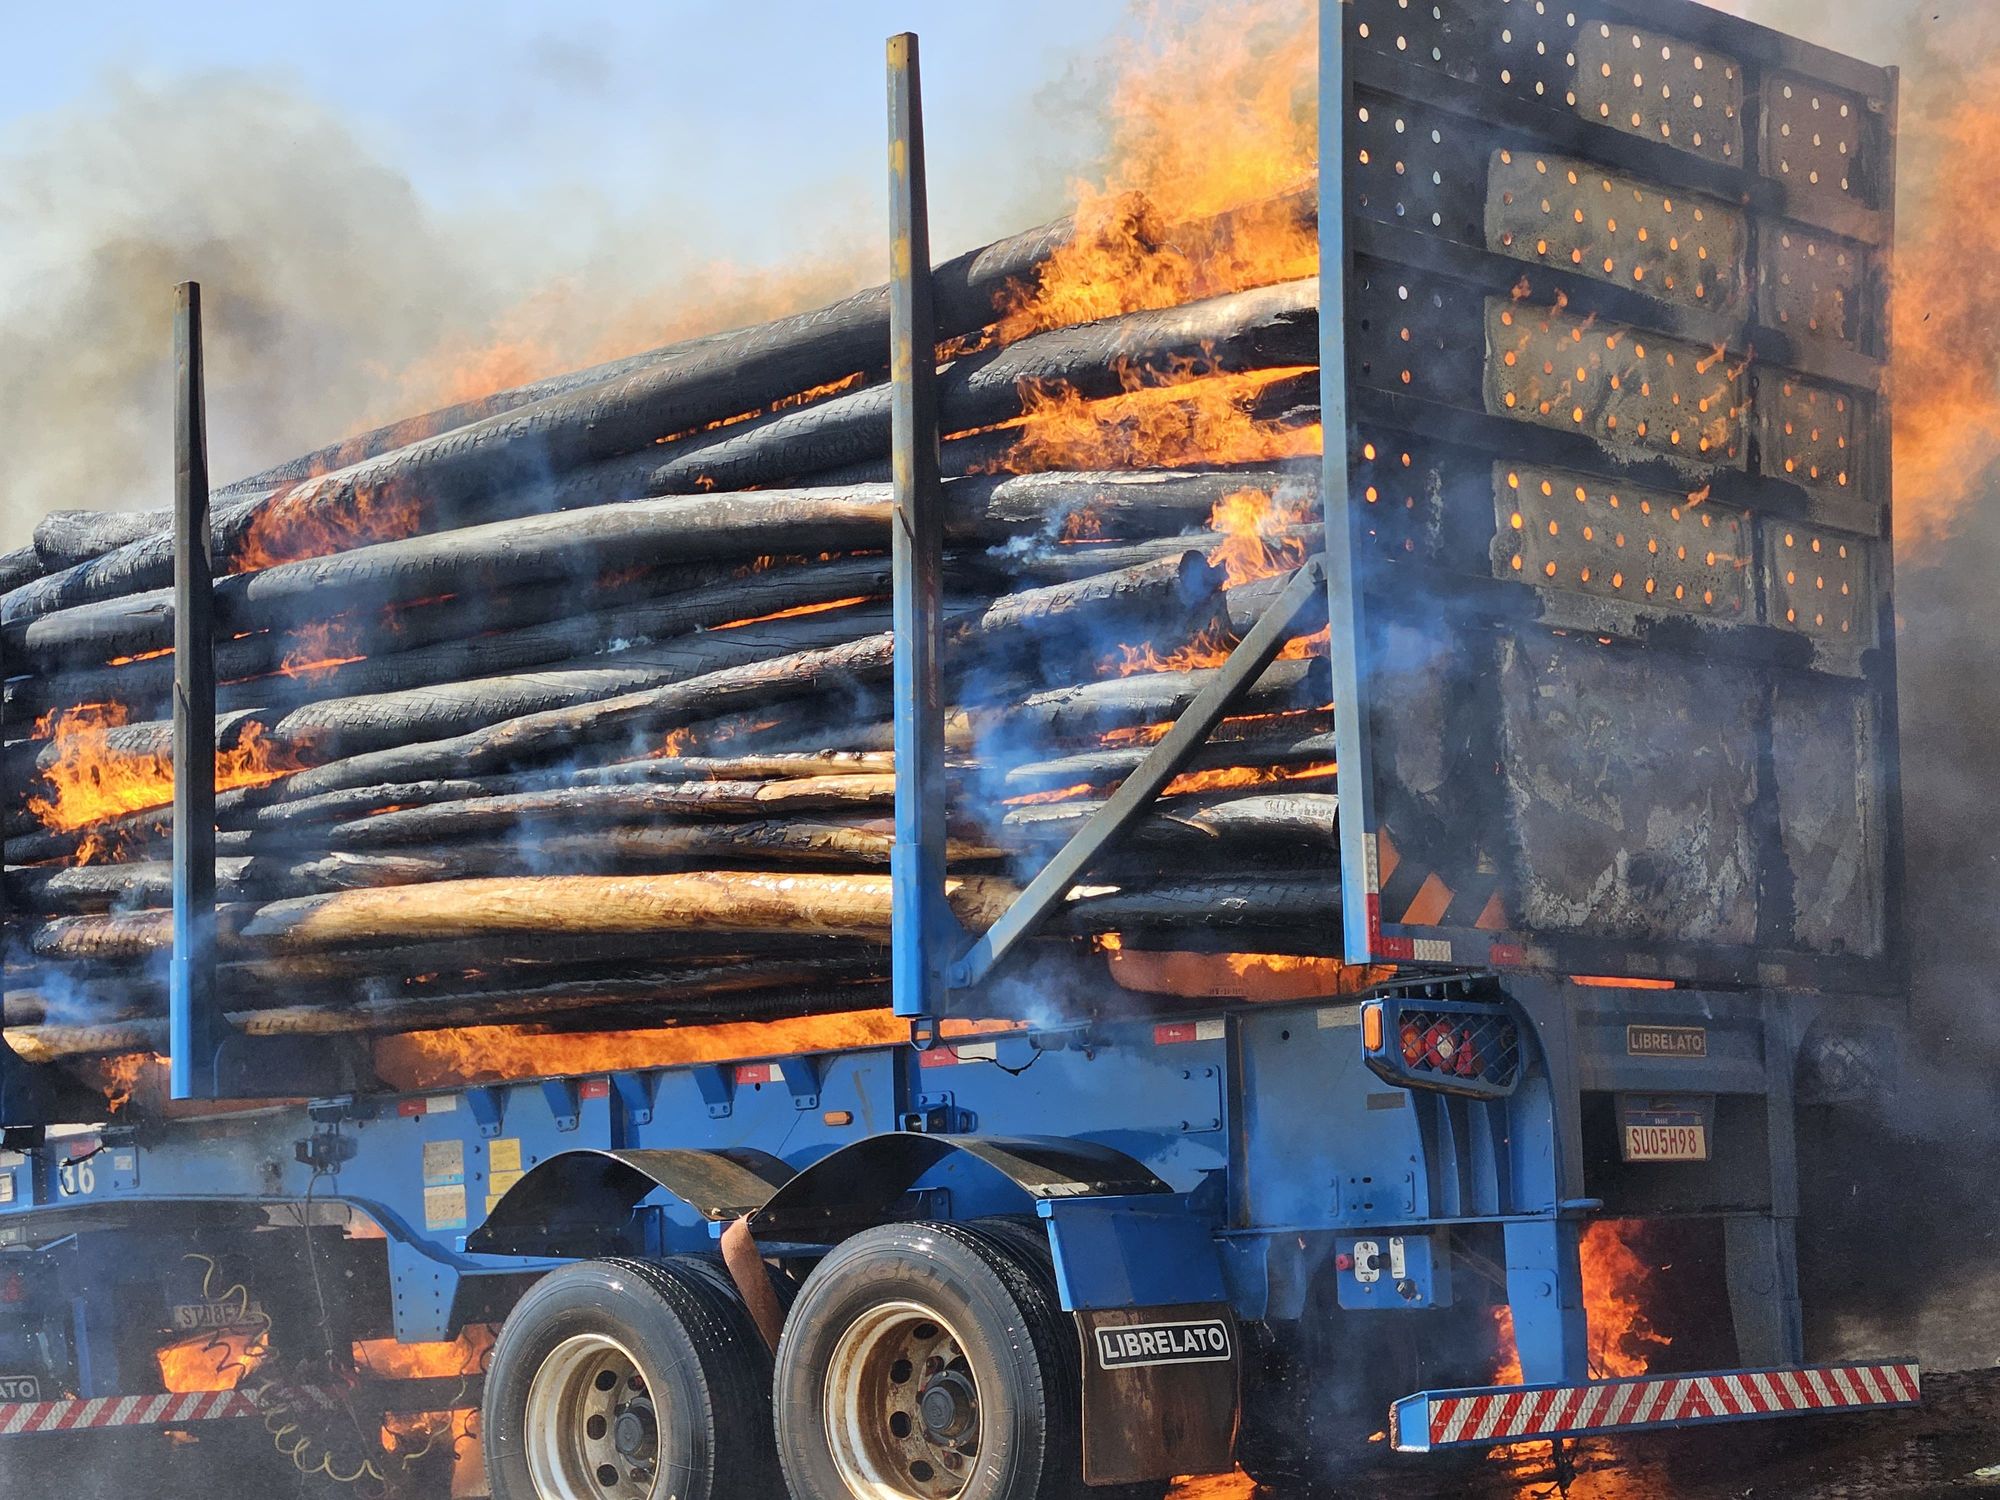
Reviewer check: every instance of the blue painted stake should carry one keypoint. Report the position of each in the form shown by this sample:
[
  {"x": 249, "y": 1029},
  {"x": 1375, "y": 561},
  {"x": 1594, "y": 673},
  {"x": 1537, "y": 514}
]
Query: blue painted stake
[
  {"x": 194, "y": 1030},
  {"x": 921, "y": 922}
]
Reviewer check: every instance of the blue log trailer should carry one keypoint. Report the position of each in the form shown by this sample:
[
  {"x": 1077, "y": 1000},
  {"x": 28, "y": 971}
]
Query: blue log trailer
[{"x": 1608, "y": 572}]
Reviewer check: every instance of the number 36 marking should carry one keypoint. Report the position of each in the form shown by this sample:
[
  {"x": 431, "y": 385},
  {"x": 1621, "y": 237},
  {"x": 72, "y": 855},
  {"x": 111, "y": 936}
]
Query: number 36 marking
[{"x": 76, "y": 1179}]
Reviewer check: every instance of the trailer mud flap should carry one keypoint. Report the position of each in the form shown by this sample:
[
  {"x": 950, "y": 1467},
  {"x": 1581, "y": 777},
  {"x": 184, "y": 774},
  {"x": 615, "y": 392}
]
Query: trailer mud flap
[{"x": 1159, "y": 1391}]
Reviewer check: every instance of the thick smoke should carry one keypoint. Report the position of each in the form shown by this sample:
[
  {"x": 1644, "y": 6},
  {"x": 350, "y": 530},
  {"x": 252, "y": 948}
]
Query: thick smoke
[
  {"x": 1909, "y": 1187},
  {"x": 335, "y": 297},
  {"x": 1946, "y": 371}
]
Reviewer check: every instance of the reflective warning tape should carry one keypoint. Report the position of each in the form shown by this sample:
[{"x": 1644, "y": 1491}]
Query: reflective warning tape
[
  {"x": 76, "y": 1414},
  {"x": 1508, "y": 1414}
]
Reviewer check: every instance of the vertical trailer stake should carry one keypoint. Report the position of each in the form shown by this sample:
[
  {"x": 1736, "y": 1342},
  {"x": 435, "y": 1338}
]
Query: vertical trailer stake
[
  {"x": 1346, "y": 642},
  {"x": 194, "y": 1029},
  {"x": 921, "y": 923}
]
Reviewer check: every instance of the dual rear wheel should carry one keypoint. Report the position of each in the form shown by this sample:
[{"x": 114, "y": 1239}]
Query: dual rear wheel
[{"x": 919, "y": 1362}]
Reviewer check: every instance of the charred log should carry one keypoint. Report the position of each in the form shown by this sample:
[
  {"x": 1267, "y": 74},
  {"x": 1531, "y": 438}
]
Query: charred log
[{"x": 1272, "y": 326}]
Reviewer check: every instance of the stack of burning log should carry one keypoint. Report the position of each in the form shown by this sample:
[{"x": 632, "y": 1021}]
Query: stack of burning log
[{"x": 572, "y": 704}]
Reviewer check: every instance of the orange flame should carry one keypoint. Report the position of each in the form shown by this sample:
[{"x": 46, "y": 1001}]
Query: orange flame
[
  {"x": 1212, "y": 108},
  {"x": 432, "y": 1059},
  {"x": 1946, "y": 302},
  {"x": 121, "y": 1076},
  {"x": 1224, "y": 777},
  {"x": 212, "y": 1361},
  {"x": 388, "y": 1360},
  {"x": 1252, "y": 524},
  {"x": 413, "y": 1434},
  {"x": 1185, "y": 415},
  {"x": 294, "y": 527},
  {"x": 1622, "y": 1339},
  {"x": 92, "y": 781}
]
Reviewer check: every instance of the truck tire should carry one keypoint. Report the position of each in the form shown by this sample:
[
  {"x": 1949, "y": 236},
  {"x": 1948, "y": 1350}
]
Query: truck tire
[
  {"x": 931, "y": 1362},
  {"x": 611, "y": 1376}
]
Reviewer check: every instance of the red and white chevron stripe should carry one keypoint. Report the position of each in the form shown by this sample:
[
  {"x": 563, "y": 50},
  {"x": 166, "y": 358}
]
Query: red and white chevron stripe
[
  {"x": 1513, "y": 1414},
  {"x": 75, "y": 1414}
]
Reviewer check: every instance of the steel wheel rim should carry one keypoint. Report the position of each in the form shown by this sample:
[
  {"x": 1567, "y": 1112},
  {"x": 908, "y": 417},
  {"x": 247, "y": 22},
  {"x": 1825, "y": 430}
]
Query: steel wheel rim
[
  {"x": 591, "y": 1430},
  {"x": 902, "y": 1406}
]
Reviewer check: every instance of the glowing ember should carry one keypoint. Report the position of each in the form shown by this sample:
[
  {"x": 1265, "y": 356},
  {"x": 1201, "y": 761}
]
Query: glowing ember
[
  {"x": 318, "y": 646},
  {"x": 93, "y": 781},
  {"x": 431, "y": 1059},
  {"x": 796, "y": 610},
  {"x": 1248, "y": 976},
  {"x": 1237, "y": 1486},
  {"x": 212, "y": 1361}
]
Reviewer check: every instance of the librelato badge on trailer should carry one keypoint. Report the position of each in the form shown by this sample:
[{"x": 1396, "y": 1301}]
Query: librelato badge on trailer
[{"x": 1201, "y": 1341}]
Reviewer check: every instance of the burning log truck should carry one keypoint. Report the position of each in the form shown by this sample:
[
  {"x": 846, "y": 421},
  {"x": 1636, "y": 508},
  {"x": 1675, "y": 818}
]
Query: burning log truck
[{"x": 986, "y": 891}]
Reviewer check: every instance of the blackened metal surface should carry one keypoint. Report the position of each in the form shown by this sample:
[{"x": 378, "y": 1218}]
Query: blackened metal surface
[
  {"x": 1826, "y": 736},
  {"x": 1616, "y": 345},
  {"x": 1630, "y": 782}
]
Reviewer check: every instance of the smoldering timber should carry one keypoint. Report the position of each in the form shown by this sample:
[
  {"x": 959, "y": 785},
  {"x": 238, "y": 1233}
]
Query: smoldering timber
[{"x": 572, "y": 702}]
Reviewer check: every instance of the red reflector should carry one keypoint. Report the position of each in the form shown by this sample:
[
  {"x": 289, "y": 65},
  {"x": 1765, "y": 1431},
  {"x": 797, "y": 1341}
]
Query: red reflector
[
  {"x": 937, "y": 1057},
  {"x": 1168, "y": 1033},
  {"x": 408, "y": 1107},
  {"x": 755, "y": 1073},
  {"x": 12, "y": 1290},
  {"x": 595, "y": 1088}
]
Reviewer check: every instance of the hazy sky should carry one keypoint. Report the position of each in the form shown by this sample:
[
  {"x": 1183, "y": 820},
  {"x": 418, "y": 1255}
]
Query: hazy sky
[
  {"x": 392, "y": 206},
  {"x": 757, "y": 121}
]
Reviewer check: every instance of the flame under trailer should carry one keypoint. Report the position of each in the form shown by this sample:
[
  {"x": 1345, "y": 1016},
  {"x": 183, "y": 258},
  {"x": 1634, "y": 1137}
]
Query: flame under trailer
[{"x": 1608, "y": 568}]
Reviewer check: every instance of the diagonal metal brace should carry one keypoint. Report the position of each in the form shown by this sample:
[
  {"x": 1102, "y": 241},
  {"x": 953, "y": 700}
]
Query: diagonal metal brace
[{"x": 1046, "y": 891}]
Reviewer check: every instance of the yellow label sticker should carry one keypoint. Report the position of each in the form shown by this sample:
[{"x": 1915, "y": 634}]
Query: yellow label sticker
[{"x": 503, "y": 1155}]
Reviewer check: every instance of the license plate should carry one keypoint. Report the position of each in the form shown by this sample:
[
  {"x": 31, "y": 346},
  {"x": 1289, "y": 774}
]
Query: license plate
[
  {"x": 1666, "y": 1141},
  {"x": 202, "y": 1317}
]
